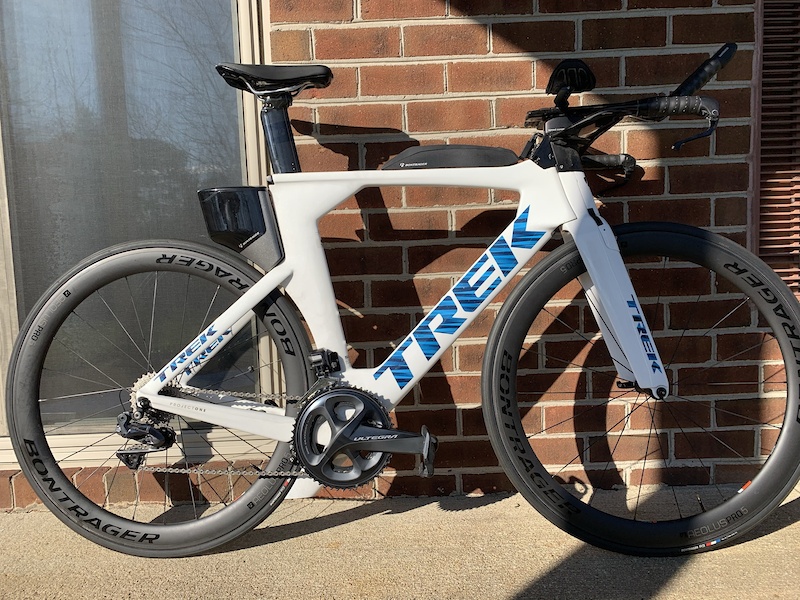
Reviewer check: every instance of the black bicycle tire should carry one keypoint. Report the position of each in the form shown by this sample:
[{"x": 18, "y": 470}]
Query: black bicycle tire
[
  {"x": 721, "y": 525},
  {"x": 30, "y": 443}
]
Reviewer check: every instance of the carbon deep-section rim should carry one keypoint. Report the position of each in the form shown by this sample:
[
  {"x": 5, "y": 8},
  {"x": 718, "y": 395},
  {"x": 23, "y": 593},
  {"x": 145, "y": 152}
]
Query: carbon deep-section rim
[
  {"x": 113, "y": 320},
  {"x": 616, "y": 467}
]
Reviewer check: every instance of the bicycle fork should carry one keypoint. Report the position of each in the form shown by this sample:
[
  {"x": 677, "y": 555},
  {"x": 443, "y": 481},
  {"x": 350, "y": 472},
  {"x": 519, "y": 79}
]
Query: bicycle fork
[{"x": 610, "y": 294}]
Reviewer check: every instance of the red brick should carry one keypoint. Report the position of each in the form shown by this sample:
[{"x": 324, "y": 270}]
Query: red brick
[
  {"x": 533, "y": 36},
  {"x": 440, "y": 422},
  {"x": 290, "y": 44},
  {"x": 559, "y": 6},
  {"x": 657, "y": 143},
  {"x": 380, "y": 9},
  {"x": 719, "y": 444},
  {"x": 388, "y": 197},
  {"x": 395, "y": 485},
  {"x": 718, "y": 380},
  {"x": 328, "y": 157},
  {"x": 441, "y": 258},
  {"x": 648, "y": 182},
  {"x": 418, "y": 292},
  {"x": 91, "y": 483},
  {"x": 376, "y": 328},
  {"x": 120, "y": 485},
  {"x": 671, "y": 476},
  {"x": 486, "y": 483},
  {"x": 733, "y": 102},
  {"x": 216, "y": 488},
  {"x": 473, "y": 423},
  {"x": 661, "y": 69},
  {"x": 750, "y": 412},
  {"x": 356, "y": 42},
  {"x": 739, "y": 69},
  {"x": 568, "y": 417},
  {"x": 362, "y": 492},
  {"x": 489, "y": 76},
  {"x": 342, "y": 227},
  {"x": 359, "y": 118},
  {"x": 482, "y": 223},
  {"x": 733, "y": 140},
  {"x": 688, "y": 211},
  {"x": 365, "y": 261},
  {"x": 349, "y": 293},
  {"x": 6, "y": 497},
  {"x": 626, "y": 447},
  {"x": 474, "y": 8},
  {"x": 460, "y": 453},
  {"x": 445, "y": 196},
  {"x": 510, "y": 112},
  {"x": 409, "y": 225},
  {"x": 344, "y": 85},
  {"x": 449, "y": 115},
  {"x": 559, "y": 451},
  {"x": 397, "y": 80},
  {"x": 24, "y": 496},
  {"x": 730, "y": 211},
  {"x": 713, "y": 28},
  {"x": 631, "y": 32},
  {"x": 297, "y": 11},
  {"x": 152, "y": 487},
  {"x": 445, "y": 40},
  {"x": 670, "y": 415},
  {"x": 450, "y": 389},
  {"x": 693, "y": 179}
]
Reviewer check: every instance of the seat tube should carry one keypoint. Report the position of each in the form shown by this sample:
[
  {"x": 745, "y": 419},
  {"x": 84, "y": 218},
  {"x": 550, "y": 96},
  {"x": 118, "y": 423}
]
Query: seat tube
[{"x": 280, "y": 141}]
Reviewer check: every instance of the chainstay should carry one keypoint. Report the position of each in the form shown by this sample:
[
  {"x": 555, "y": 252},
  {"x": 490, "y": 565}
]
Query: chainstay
[{"x": 287, "y": 398}]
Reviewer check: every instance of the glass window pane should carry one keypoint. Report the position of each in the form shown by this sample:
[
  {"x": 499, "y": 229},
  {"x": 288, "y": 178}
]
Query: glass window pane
[{"x": 113, "y": 117}]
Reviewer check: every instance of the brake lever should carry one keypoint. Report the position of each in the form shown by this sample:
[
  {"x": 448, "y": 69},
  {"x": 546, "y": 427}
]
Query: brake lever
[{"x": 712, "y": 126}]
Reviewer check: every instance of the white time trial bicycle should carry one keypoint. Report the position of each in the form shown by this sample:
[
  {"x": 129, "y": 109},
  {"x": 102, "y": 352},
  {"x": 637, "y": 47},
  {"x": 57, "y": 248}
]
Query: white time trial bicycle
[{"x": 640, "y": 382}]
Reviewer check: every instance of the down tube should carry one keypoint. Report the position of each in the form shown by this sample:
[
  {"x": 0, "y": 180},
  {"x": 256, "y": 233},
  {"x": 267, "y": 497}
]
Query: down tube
[{"x": 457, "y": 309}]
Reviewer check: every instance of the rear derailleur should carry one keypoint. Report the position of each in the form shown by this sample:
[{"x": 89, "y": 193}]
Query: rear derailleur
[{"x": 150, "y": 437}]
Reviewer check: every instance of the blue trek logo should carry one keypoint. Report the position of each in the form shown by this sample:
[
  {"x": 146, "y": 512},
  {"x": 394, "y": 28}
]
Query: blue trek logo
[
  {"x": 467, "y": 295},
  {"x": 182, "y": 360}
]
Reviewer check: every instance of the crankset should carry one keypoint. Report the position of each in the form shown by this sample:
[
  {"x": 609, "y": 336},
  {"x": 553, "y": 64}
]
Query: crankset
[{"x": 344, "y": 438}]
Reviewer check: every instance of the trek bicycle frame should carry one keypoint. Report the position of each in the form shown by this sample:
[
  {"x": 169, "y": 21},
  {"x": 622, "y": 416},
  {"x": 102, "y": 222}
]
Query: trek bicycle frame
[{"x": 549, "y": 199}]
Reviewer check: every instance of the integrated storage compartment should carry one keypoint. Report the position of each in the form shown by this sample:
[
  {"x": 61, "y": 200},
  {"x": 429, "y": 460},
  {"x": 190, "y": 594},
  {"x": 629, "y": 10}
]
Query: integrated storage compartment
[{"x": 242, "y": 219}]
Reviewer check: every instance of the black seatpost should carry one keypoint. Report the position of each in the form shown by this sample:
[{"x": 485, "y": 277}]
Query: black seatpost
[{"x": 280, "y": 141}]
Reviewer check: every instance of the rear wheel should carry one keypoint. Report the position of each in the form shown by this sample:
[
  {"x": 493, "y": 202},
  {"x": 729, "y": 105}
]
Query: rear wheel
[
  {"x": 619, "y": 468},
  {"x": 104, "y": 329}
]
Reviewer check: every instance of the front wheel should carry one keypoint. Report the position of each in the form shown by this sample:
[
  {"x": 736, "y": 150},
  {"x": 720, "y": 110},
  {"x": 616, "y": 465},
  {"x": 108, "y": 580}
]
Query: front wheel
[
  {"x": 619, "y": 468},
  {"x": 107, "y": 327}
]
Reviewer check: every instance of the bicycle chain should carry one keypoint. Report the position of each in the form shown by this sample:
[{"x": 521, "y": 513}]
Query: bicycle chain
[{"x": 244, "y": 395}]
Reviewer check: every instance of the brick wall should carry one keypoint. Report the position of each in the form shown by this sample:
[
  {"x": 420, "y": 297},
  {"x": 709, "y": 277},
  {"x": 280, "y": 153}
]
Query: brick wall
[{"x": 463, "y": 71}]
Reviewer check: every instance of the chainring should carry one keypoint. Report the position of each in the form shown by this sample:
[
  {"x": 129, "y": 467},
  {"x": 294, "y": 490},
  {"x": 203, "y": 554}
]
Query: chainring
[{"x": 329, "y": 417}]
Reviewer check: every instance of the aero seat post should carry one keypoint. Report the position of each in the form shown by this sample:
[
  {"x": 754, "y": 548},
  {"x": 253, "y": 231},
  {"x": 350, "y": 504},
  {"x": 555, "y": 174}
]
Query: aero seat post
[{"x": 280, "y": 141}]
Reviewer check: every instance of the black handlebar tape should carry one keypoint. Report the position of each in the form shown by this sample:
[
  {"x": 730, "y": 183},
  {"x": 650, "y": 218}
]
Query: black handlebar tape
[
  {"x": 607, "y": 161},
  {"x": 706, "y": 71},
  {"x": 666, "y": 106}
]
